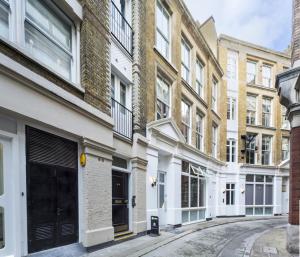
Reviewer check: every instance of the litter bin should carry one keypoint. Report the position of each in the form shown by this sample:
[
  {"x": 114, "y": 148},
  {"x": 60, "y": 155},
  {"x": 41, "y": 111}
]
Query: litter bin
[{"x": 155, "y": 225}]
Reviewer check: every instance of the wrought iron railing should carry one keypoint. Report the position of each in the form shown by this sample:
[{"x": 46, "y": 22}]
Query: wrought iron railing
[
  {"x": 120, "y": 28},
  {"x": 123, "y": 119}
]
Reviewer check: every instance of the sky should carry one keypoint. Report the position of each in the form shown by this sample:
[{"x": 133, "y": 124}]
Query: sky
[{"x": 264, "y": 22}]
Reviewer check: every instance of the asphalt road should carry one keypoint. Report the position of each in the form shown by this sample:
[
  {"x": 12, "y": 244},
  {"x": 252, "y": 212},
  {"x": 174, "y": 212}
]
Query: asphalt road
[{"x": 231, "y": 240}]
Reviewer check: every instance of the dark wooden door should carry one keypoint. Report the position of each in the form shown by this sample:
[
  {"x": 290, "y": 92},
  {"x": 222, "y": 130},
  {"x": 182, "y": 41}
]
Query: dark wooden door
[{"x": 120, "y": 201}]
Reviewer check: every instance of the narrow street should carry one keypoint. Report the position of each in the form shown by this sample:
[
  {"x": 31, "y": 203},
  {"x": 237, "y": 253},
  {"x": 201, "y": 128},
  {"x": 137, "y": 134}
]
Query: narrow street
[{"x": 228, "y": 240}]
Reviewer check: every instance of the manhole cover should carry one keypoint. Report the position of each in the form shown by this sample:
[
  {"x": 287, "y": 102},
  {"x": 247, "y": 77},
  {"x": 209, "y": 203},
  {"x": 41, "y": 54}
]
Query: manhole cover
[{"x": 271, "y": 250}]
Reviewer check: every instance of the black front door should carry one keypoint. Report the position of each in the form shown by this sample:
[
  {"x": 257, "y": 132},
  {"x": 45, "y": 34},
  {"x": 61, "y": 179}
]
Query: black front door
[
  {"x": 52, "y": 194},
  {"x": 120, "y": 201}
]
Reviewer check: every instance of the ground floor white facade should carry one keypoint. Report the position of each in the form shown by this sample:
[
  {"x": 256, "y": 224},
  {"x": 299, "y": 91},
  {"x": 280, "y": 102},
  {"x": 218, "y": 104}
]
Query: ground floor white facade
[{"x": 185, "y": 186}]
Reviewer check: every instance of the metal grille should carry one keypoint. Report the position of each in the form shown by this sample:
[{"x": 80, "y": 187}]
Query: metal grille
[
  {"x": 44, "y": 232},
  {"x": 45, "y": 148}
]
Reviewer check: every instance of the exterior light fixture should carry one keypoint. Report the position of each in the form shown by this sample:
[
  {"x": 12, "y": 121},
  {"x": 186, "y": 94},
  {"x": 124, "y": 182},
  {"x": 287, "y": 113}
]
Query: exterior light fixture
[
  {"x": 242, "y": 190},
  {"x": 153, "y": 181},
  {"x": 82, "y": 160}
]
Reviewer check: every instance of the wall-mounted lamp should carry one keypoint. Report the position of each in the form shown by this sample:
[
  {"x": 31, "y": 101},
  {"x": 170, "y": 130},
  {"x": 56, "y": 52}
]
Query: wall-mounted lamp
[
  {"x": 242, "y": 191},
  {"x": 153, "y": 181},
  {"x": 224, "y": 190},
  {"x": 83, "y": 160}
]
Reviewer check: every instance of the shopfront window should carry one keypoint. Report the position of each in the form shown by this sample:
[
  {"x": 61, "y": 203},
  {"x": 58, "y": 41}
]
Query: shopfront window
[
  {"x": 192, "y": 192},
  {"x": 259, "y": 195}
]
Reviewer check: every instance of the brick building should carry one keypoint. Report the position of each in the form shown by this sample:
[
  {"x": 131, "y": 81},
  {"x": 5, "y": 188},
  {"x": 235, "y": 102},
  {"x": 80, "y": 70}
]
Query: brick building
[{"x": 67, "y": 149}]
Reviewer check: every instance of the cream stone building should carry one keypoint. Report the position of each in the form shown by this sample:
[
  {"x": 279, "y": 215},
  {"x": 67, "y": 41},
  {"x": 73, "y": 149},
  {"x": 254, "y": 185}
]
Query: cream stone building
[
  {"x": 186, "y": 116},
  {"x": 257, "y": 131}
]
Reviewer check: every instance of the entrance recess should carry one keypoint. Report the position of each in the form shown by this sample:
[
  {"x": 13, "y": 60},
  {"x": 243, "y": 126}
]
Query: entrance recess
[
  {"x": 52, "y": 198},
  {"x": 120, "y": 201}
]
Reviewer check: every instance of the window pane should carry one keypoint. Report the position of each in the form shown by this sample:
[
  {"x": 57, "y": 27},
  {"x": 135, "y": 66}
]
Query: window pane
[
  {"x": 249, "y": 194},
  {"x": 269, "y": 178},
  {"x": 259, "y": 211},
  {"x": 185, "y": 216},
  {"x": 161, "y": 195},
  {"x": 48, "y": 53},
  {"x": 201, "y": 193},
  {"x": 185, "y": 167},
  {"x": 2, "y": 239},
  {"x": 250, "y": 178},
  {"x": 249, "y": 211},
  {"x": 227, "y": 197},
  {"x": 268, "y": 210},
  {"x": 259, "y": 194},
  {"x": 4, "y": 25},
  {"x": 259, "y": 178},
  {"x": 201, "y": 214},
  {"x": 194, "y": 192},
  {"x": 184, "y": 191},
  {"x": 232, "y": 197},
  {"x": 49, "y": 21},
  {"x": 269, "y": 195},
  {"x": 1, "y": 170},
  {"x": 194, "y": 215}
]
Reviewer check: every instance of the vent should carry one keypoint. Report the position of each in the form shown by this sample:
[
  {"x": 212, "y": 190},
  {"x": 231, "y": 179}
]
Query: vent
[
  {"x": 67, "y": 229},
  {"x": 45, "y": 148},
  {"x": 44, "y": 232}
]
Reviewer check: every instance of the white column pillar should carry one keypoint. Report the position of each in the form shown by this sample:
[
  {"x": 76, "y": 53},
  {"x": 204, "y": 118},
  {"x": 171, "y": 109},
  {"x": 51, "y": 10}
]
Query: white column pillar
[{"x": 277, "y": 201}]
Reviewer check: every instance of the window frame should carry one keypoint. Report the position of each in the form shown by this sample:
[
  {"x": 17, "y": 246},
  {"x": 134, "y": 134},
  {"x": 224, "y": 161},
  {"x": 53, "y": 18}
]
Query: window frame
[
  {"x": 214, "y": 141},
  {"x": 231, "y": 192},
  {"x": 285, "y": 124},
  {"x": 264, "y": 151},
  {"x": 158, "y": 30},
  {"x": 231, "y": 108},
  {"x": 232, "y": 72},
  {"x": 285, "y": 153},
  {"x": 251, "y": 111},
  {"x": 267, "y": 116},
  {"x": 186, "y": 66},
  {"x": 188, "y": 126},
  {"x": 200, "y": 78},
  {"x": 251, "y": 150},
  {"x": 248, "y": 74},
  {"x": 214, "y": 95},
  {"x": 269, "y": 84},
  {"x": 17, "y": 21},
  {"x": 168, "y": 105},
  {"x": 199, "y": 131},
  {"x": 231, "y": 147}
]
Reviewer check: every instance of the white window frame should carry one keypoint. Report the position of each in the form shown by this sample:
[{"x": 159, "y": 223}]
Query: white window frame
[
  {"x": 285, "y": 124},
  {"x": 266, "y": 81},
  {"x": 117, "y": 82},
  {"x": 251, "y": 77},
  {"x": 231, "y": 108},
  {"x": 231, "y": 146},
  {"x": 17, "y": 22},
  {"x": 200, "y": 78},
  {"x": 214, "y": 141},
  {"x": 159, "y": 79},
  {"x": 214, "y": 95},
  {"x": 232, "y": 65},
  {"x": 184, "y": 124},
  {"x": 266, "y": 151},
  {"x": 252, "y": 111},
  {"x": 266, "y": 101},
  {"x": 252, "y": 148},
  {"x": 168, "y": 37},
  {"x": 185, "y": 66},
  {"x": 199, "y": 131},
  {"x": 285, "y": 148},
  {"x": 264, "y": 183},
  {"x": 231, "y": 191}
]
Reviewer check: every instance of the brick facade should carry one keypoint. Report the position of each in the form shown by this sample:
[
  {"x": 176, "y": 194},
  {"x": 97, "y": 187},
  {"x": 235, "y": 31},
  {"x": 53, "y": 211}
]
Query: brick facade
[{"x": 296, "y": 32}]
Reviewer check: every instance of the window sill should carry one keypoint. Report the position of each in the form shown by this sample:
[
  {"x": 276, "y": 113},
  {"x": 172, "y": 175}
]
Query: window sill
[
  {"x": 260, "y": 86},
  {"x": 215, "y": 113},
  {"x": 165, "y": 60},
  {"x": 27, "y": 55},
  {"x": 261, "y": 127}
]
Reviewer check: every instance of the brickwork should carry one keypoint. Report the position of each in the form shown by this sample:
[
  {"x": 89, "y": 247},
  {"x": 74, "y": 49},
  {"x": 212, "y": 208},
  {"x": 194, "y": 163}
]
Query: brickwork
[
  {"x": 95, "y": 53},
  {"x": 294, "y": 177},
  {"x": 296, "y": 32},
  {"x": 139, "y": 66}
]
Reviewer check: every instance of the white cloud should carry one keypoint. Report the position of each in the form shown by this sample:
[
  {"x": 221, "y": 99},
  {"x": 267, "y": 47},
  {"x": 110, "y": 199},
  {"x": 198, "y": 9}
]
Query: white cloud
[{"x": 264, "y": 22}]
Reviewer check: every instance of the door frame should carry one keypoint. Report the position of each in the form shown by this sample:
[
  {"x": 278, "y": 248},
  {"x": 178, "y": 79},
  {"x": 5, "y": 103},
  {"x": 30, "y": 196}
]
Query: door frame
[
  {"x": 15, "y": 213},
  {"x": 130, "y": 193},
  {"x": 164, "y": 209}
]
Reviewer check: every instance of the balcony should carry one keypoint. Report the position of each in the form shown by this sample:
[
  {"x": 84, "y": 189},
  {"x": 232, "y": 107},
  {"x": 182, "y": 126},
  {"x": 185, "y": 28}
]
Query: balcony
[
  {"x": 120, "y": 28},
  {"x": 123, "y": 119}
]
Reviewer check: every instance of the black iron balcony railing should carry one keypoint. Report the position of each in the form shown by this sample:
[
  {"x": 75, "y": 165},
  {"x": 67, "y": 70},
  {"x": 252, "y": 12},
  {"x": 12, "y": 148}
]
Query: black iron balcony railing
[
  {"x": 123, "y": 119},
  {"x": 120, "y": 28}
]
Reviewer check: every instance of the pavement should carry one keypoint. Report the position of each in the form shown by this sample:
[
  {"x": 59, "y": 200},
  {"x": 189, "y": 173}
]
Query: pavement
[{"x": 224, "y": 237}]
